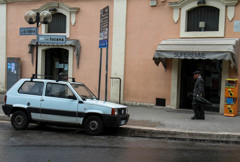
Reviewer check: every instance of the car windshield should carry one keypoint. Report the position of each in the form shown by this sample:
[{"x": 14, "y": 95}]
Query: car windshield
[{"x": 83, "y": 91}]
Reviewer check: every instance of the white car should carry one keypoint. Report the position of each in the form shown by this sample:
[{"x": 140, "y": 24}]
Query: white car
[{"x": 60, "y": 102}]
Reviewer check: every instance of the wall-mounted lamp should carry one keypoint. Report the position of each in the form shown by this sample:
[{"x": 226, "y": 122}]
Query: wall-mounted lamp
[
  {"x": 52, "y": 10},
  {"x": 201, "y": 2},
  {"x": 153, "y": 3}
]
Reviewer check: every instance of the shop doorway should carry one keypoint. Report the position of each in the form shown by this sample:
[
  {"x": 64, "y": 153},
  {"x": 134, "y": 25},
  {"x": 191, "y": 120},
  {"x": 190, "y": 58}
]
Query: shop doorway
[
  {"x": 56, "y": 63},
  {"x": 211, "y": 72}
]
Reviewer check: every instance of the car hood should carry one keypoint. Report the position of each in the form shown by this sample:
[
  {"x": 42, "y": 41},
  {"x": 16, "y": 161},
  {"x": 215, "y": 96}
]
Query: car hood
[{"x": 103, "y": 103}]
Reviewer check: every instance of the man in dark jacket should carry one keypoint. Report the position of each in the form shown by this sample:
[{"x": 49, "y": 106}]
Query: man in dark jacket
[{"x": 198, "y": 91}]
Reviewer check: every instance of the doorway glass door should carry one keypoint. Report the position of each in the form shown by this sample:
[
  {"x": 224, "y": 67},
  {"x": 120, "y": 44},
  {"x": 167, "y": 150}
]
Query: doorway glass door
[
  {"x": 211, "y": 72},
  {"x": 56, "y": 64}
]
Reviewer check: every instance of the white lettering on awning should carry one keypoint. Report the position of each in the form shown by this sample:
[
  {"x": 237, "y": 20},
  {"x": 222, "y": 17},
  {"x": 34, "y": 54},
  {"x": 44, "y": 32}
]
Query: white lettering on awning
[{"x": 189, "y": 55}]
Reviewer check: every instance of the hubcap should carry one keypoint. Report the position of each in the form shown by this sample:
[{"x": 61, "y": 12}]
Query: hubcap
[
  {"x": 19, "y": 120},
  {"x": 93, "y": 125}
]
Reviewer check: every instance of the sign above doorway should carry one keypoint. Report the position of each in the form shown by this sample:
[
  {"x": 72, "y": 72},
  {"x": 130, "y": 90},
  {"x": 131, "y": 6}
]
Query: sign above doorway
[
  {"x": 204, "y": 48},
  {"x": 54, "y": 39}
]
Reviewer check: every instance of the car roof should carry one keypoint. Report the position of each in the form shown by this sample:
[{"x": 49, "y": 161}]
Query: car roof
[{"x": 49, "y": 80}]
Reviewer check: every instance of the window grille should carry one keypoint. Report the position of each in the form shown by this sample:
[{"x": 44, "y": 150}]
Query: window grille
[
  {"x": 58, "y": 24},
  {"x": 207, "y": 14}
]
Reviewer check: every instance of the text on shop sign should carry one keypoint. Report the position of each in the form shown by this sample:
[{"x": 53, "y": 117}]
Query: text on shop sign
[{"x": 186, "y": 55}]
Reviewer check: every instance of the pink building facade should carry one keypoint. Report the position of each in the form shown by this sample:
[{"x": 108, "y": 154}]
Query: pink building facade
[{"x": 181, "y": 35}]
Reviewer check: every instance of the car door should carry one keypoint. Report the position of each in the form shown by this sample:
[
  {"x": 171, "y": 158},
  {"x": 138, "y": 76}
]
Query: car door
[
  {"x": 30, "y": 95},
  {"x": 59, "y": 104}
]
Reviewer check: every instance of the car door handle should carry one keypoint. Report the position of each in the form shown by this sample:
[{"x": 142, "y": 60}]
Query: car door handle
[{"x": 42, "y": 100}]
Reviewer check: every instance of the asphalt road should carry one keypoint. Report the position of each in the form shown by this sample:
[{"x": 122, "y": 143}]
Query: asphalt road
[{"x": 55, "y": 144}]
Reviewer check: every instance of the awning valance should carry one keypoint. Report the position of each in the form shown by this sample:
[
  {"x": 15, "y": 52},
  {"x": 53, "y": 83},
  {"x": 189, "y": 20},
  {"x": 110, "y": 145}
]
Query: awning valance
[
  {"x": 212, "y": 48},
  {"x": 70, "y": 42}
]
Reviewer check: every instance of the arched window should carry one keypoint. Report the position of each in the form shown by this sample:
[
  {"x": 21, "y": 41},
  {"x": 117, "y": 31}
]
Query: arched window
[
  {"x": 58, "y": 23},
  {"x": 212, "y": 16},
  {"x": 62, "y": 18},
  {"x": 205, "y": 18}
]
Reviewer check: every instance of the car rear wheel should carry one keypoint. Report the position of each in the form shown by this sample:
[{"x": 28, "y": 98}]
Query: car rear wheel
[
  {"x": 19, "y": 120},
  {"x": 93, "y": 125}
]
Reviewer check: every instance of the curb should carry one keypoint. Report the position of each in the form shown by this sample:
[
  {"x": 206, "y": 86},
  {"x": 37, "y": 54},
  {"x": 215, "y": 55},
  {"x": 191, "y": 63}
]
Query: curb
[
  {"x": 172, "y": 134},
  {"x": 4, "y": 117}
]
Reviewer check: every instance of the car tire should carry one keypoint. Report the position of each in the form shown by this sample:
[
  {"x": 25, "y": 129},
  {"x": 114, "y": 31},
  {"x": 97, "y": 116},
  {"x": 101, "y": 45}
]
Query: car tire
[
  {"x": 19, "y": 120},
  {"x": 93, "y": 125}
]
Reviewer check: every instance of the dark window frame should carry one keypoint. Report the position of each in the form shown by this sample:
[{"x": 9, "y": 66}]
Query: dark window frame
[
  {"x": 58, "y": 23},
  {"x": 208, "y": 14}
]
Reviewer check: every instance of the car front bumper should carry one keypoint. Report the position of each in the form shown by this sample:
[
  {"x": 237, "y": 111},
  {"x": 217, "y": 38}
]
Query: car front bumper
[{"x": 115, "y": 120}]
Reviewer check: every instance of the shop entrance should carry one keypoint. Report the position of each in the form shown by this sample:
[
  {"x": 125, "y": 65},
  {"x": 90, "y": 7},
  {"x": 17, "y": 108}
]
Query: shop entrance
[
  {"x": 56, "y": 63},
  {"x": 211, "y": 72}
]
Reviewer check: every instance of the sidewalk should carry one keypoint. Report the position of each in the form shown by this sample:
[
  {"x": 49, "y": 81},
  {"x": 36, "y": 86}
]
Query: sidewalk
[
  {"x": 161, "y": 122},
  {"x": 157, "y": 122}
]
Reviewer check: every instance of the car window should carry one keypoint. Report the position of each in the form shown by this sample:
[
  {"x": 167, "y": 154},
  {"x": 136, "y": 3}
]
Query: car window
[
  {"x": 83, "y": 91},
  {"x": 58, "y": 90},
  {"x": 32, "y": 88}
]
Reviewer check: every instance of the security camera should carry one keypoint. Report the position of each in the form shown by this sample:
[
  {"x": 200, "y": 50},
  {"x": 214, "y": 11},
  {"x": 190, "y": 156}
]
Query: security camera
[{"x": 52, "y": 10}]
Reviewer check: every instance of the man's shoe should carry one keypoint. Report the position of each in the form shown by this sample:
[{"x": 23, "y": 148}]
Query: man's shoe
[
  {"x": 194, "y": 118},
  {"x": 202, "y": 118}
]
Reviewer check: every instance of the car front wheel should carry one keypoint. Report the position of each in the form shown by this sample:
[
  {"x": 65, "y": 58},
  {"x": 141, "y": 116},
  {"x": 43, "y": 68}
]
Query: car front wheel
[
  {"x": 19, "y": 120},
  {"x": 93, "y": 125}
]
